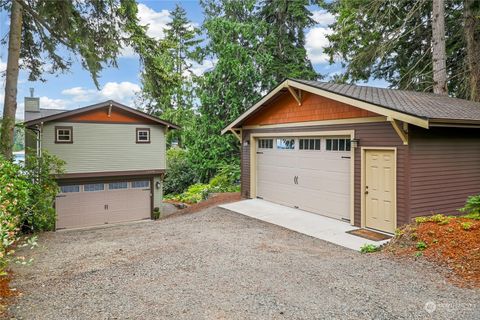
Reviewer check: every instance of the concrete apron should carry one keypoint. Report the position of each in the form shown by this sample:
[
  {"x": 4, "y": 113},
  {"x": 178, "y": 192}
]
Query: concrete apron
[{"x": 311, "y": 224}]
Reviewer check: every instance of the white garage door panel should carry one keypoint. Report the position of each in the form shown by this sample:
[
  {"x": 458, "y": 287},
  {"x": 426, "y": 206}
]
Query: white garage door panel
[
  {"x": 85, "y": 209},
  {"x": 323, "y": 183}
]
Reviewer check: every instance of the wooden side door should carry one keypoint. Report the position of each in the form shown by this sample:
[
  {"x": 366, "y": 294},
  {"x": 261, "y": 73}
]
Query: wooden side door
[{"x": 380, "y": 172}]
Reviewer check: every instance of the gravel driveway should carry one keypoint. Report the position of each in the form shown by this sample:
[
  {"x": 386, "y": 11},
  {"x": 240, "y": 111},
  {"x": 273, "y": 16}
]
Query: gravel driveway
[{"x": 216, "y": 264}]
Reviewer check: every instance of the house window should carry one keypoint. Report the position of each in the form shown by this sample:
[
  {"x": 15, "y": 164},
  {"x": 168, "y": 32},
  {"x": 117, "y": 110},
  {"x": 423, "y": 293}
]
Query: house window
[
  {"x": 338, "y": 145},
  {"x": 68, "y": 189},
  {"x": 143, "y": 135},
  {"x": 286, "y": 144},
  {"x": 141, "y": 184},
  {"x": 265, "y": 143},
  {"x": 63, "y": 135},
  {"x": 93, "y": 187},
  {"x": 117, "y": 185},
  {"x": 309, "y": 144}
]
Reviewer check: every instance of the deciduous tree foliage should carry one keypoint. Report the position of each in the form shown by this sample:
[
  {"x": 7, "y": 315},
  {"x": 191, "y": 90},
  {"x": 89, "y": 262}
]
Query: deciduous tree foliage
[
  {"x": 392, "y": 40},
  {"x": 46, "y": 35}
]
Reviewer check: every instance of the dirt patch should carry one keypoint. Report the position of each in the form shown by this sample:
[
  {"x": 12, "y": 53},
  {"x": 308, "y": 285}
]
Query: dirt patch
[
  {"x": 214, "y": 200},
  {"x": 451, "y": 243},
  {"x": 6, "y": 294}
]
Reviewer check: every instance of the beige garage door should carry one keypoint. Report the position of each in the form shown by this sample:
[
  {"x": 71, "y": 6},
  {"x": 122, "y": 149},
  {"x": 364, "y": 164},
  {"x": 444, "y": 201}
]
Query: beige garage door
[
  {"x": 102, "y": 203},
  {"x": 311, "y": 173}
]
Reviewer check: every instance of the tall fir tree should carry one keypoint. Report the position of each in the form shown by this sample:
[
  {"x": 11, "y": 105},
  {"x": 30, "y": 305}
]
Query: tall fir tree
[
  {"x": 174, "y": 98},
  {"x": 285, "y": 40}
]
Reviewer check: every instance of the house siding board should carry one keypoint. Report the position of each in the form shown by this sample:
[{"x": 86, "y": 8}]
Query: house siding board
[
  {"x": 445, "y": 169},
  {"x": 378, "y": 134},
  {"x": 100, "y": 147}
]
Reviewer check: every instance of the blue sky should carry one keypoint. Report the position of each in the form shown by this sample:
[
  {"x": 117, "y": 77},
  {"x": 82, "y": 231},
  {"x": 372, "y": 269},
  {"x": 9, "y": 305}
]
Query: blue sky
[{"x": 76, "y": 89}]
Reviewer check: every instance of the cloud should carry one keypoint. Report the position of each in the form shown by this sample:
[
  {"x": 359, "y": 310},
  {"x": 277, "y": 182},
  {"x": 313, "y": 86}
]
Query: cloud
[
  {"x": 316, "y": 41},
  {"x": 156, "y": 21},
  {"x": 323, "y": 18},
  {"x": 316, "y": 38},
  {"x": 48, "y": 103},
  {"x": 123, "y": 92}
]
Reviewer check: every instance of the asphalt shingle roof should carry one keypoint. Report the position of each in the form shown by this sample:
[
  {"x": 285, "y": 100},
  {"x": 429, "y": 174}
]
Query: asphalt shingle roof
[{"x": 420, "y": 104}]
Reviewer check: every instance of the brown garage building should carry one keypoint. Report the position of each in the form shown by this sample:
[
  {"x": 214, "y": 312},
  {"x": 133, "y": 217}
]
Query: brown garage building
[{"x": 372, "y": 156}]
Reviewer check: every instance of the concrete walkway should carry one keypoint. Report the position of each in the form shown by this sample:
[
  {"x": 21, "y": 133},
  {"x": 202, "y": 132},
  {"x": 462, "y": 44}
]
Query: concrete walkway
[{"x": 311, "y": 224}]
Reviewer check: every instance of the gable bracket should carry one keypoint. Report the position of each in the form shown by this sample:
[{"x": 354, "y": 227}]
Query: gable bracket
[
  {"x": 402, "y": 130},
  {"x": 109, "y": 110},
  {"x": 296, "y": 94},
  {"x": 237, "y": 133}
]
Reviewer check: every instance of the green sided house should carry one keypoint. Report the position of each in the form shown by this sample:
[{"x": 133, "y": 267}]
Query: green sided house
[
  {"x": 371, "y": 156},
  {"x": 115, "y": 160}
]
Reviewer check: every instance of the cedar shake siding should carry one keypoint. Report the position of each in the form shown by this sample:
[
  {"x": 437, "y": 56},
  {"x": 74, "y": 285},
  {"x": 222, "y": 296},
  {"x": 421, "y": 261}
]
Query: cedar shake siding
[
  {"x": 377, "y": 134},
  {"x": 313, "y": 108},
  {"x": 445, "y": 169}
]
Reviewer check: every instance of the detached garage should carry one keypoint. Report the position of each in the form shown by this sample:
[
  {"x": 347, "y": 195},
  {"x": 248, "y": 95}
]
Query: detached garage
[{"x": 371, "y": 156}]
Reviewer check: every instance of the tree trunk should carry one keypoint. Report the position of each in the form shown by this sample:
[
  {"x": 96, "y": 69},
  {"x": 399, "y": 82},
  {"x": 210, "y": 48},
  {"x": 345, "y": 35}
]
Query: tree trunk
[
  {"x": 472, "y": 36},
  {"x": 438, "y": 48},
  {"x": 10, "y": 102}
]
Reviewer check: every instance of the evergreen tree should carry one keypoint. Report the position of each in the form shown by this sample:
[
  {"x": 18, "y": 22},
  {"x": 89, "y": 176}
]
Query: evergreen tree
[
  {"x": 392, "y": 40},
  {"x": 173, "y": 98},
  {"x": 234, "y": 37},
  {"x": 285, "y": 40}
]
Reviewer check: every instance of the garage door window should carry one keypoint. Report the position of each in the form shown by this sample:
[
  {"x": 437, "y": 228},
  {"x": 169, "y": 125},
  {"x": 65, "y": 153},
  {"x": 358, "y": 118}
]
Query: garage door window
[
  {"x": 338, "y": 145},
  {"x": 285, "y": 144},
  {"x": 118, "y": 185},
  {"x": 309, "y": 144},
  {"x": 141, "y": 184},
  {"x": 68, "y": 189},
  {"x": 265, "y": 143},
  {"x": 93, "y": 187}
]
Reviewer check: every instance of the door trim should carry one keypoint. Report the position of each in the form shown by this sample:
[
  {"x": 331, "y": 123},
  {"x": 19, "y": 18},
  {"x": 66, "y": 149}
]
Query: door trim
[
  {"x": 363, "y": 164},
  {"x": 253, "y": 158}
]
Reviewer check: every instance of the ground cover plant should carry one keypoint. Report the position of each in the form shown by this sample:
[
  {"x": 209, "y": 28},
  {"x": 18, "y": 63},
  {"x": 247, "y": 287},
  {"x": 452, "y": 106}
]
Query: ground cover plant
[{"x": 451, "y": 242}]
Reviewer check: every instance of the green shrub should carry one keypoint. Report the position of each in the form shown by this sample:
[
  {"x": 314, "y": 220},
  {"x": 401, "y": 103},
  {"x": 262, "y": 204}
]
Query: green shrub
[
  {"x": 40, "y": 171},
  {"x": 26, "y": 202},
  {"x": 437, "y": 218},
  {"x": 180, "y": 173},
  {"x": 466, "y": 225},
  {"x": 421, "y": 245},
  {"x": 226, "y": 181},
  {"x": 369, "y": 248},
  {"x": 472, "y": 207}
]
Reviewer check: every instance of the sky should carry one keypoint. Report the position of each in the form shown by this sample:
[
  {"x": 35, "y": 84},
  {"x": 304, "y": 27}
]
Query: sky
[{"x": 76, "y": 89}]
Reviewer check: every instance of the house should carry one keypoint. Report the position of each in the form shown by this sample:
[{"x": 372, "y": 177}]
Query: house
[
  {"x": 371, "y": 156},
  {"x": 115, "y": 160}
]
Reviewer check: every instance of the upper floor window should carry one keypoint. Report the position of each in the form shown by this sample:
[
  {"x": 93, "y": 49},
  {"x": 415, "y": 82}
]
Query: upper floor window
[
  {"x": 338, "y": 145},
  {"x": 63, "y": 135},
  {"x": 265, "y": 143},
  {"x": 286, "y": 144},
  {"x": 143, "y": 135},
  {"x": 309, "y": 144}
]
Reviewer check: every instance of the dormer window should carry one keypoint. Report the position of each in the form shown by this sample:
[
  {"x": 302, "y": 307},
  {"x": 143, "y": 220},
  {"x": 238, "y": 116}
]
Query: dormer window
[
  {"x": 143, "y": 135},
  {"x": 63, "y": 135}
]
